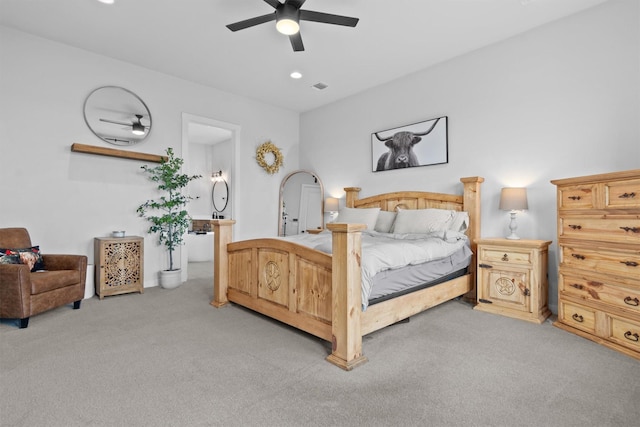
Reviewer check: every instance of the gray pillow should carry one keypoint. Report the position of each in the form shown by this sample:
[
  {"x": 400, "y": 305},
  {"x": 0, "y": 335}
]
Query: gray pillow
[{"x": 366, "y": 216}]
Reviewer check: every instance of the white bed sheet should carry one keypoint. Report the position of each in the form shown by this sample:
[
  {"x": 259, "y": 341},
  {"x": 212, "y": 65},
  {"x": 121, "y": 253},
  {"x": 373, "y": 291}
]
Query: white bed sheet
[{"x": 384, "y": 251}]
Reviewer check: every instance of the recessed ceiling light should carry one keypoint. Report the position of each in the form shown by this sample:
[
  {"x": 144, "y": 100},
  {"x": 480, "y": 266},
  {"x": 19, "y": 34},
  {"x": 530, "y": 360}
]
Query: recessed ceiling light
[
  {"x": 296, "y": 75},
  {"x": 107, "y": 1}
]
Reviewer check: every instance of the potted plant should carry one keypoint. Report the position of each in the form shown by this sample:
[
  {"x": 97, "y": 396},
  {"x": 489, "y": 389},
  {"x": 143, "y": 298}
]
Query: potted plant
[{"x": 167, "y": 213}]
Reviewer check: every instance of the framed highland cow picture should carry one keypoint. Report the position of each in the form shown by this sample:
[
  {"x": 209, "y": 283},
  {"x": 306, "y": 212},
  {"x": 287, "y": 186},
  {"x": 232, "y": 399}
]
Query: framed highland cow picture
[{"x": 420, "y": 144}]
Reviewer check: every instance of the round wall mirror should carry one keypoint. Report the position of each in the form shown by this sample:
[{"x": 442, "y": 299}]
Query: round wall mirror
[
  {"x": 220, "y": 194},
  {"x": 301, "y": 205},
  {"x": 117, "y": 115}
]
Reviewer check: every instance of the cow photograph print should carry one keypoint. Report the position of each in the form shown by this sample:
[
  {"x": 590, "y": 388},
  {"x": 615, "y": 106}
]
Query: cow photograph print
[{"x": 420, "y": 144}]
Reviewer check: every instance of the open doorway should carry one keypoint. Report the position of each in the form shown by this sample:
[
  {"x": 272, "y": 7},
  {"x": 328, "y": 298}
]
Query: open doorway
[{"x": 208, "y": 147}]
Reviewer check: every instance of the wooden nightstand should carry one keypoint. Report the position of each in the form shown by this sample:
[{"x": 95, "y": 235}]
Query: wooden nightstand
[{"x": 512, "y": 278}]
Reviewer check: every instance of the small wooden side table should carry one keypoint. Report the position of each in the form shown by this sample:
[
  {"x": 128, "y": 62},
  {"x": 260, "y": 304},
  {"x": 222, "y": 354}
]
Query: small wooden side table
[
  {"x": 119, "y": 265},
  {"x": 512, "y": 278}
]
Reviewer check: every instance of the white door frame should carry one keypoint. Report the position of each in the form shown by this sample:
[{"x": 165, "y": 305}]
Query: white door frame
[
  {"x": 305, "y": 191},
  {"x": 235, "y": 137}
]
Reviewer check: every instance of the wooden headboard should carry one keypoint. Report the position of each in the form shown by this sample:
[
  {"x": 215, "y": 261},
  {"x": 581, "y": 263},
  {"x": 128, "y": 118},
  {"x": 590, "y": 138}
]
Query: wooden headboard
[{"x": 468, "y": 201}]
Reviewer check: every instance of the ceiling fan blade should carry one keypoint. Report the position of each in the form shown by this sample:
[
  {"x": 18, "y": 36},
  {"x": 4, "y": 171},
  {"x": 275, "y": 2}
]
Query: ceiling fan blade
[
  {"x": 273, "y": 3},
  {"x": 295, "y": 3},
  {"x": 296, "y": 42},
  {"x": 241, "y": 25},
  {"x": 115, "y": 123},
  {"x": 328, "y": 18}
]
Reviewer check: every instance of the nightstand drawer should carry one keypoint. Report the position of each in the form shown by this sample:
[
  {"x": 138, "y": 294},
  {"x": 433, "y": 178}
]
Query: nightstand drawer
[
  {"x": 577, "y": 197},
  {"x": 625, "y": 332},
  {"x": 608, "y": 228},
  {"x": 506, "y": 255},
  {"x": 578, "y": 316},
  {"x": 622, "y": 194},
  {"x": 620, "y": 263},
  {"x": 600, "y": 291}
]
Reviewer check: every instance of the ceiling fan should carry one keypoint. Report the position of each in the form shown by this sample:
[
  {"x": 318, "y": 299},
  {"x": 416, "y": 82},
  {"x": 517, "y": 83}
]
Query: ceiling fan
[
  {"x": 288, "y": 16},
  {"x": 137, "y": 128}
]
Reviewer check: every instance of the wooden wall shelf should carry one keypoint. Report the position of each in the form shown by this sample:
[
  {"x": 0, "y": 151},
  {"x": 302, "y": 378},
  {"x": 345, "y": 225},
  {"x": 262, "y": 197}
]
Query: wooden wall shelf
[{"x": 112, "y": 152}]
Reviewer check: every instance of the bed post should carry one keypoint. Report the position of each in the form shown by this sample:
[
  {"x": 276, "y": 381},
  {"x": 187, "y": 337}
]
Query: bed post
[
  {"x": 346, "y": 296},
  {"x": 352, "y": 196},
  {"x": 471, "y": 200},
  {"x": 222, "y": 230}
]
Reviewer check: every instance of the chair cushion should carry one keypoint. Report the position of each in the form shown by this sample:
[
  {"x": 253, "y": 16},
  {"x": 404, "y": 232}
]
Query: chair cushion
[{"x": 44, "y": 281}]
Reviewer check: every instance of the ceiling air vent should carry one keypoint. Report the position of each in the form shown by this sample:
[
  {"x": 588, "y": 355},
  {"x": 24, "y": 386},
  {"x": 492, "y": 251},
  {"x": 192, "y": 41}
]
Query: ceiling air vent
[{"x": 320, "y": 86}]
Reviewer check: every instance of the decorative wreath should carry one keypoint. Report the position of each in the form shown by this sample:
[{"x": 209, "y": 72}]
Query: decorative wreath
[{"x": 278, "y": 158}]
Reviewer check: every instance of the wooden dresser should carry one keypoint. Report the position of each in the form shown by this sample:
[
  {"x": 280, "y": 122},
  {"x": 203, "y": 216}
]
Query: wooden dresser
[{"x": 599, "y": 250}]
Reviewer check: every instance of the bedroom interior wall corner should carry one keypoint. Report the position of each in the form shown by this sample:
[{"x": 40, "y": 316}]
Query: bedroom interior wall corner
[{"x": 519, "y": 111}]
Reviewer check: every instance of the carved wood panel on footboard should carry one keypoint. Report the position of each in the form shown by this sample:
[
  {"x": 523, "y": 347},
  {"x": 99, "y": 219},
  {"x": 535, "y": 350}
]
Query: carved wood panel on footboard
[{"x": 283, "y": 282}]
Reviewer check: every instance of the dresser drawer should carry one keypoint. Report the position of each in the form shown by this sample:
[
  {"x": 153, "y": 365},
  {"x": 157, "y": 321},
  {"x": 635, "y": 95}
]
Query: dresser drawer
[
  {"x": 621, "y": 263},
  {"x": 577, "y": 197},
  {"x": 624, "y": 332},
  {"x": 578, "y": 316},
  {"x": 622, "y": 194},
  {"x": 505, "y": 255},
  {"x": 594, "y": 290},
  {"x": 609, "y": 228}
]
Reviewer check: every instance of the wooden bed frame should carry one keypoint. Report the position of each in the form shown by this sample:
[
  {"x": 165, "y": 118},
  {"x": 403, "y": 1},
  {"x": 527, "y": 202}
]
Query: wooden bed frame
[{"x": 321, "y": 293}]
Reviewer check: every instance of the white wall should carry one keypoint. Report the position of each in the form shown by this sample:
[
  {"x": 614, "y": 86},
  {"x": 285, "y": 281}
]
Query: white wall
[
  {"x": 559, "y": 101},
  {"x": 66, "y": 199}
]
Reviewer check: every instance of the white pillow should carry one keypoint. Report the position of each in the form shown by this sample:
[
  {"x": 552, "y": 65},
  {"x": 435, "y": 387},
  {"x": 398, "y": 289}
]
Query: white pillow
[
  {"x": 422, "y": 220},
  {"x": 384, "y": 224},
  {"x": 366, "y": 216},
  {"x": 460, "y": 222}
]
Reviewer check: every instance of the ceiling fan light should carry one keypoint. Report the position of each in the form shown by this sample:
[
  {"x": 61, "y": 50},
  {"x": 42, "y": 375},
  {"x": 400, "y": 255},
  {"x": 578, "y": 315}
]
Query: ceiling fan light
[
  {"x": 137, "y": 129},
  {"x": 287, "y": 26}
]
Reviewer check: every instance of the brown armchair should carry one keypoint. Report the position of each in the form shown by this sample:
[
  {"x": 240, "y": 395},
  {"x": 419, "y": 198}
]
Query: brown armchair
[{"x": 23, "y": 293}]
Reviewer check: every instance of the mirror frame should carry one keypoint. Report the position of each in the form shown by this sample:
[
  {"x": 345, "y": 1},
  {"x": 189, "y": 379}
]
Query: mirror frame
[
  {"x": 123, "y": 106},
  {"x": 282, "y": 184},
  {"x": 225, "y": 198}
]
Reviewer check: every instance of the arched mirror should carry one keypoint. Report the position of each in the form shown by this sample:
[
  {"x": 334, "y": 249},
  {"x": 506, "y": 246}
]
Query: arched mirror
[
  {"x": 117, "y": 116},
  {"x": 220, "y": 196},
  {"x": 301, "y": 205}
]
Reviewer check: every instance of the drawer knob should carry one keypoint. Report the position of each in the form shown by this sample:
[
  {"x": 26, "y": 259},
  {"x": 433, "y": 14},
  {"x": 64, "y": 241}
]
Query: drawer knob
[
  {"x": 505, "y": 257},
  {"x": 627, "y": 195},
  {"x": 632, "y": 301},
  {"x": 578, "y": 256},
  {"x": 629, "y": 263},
  {"x": 485, "y": 266},
  {"x": 574, "y": 197},
  {"x": 631, "y": 229},
  {"x": 575, "y": 227},
  {"x": 577, "y": 317},
  {"x": 632, "y": 337}
]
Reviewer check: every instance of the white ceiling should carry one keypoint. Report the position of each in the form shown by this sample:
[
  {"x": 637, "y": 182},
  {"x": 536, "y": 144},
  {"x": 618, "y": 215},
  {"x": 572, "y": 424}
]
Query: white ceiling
[{"x": 188, "y": 39}]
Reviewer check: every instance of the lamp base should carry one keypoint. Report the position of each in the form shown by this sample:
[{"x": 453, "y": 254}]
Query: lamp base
[{"x": 513, "y": 226}]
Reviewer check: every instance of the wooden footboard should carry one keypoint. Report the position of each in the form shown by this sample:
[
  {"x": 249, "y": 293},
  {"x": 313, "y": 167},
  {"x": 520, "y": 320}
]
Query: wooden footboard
[{"x": 320, "y": 293}]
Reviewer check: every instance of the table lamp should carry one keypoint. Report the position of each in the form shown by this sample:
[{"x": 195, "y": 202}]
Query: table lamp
[{"x": 513, "y": 200}]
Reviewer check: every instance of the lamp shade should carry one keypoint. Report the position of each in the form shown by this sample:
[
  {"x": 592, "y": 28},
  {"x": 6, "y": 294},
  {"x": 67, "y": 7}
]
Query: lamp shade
[
  {"x": 513, "y": 199},
  {"x": 331, "y": 204}
]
